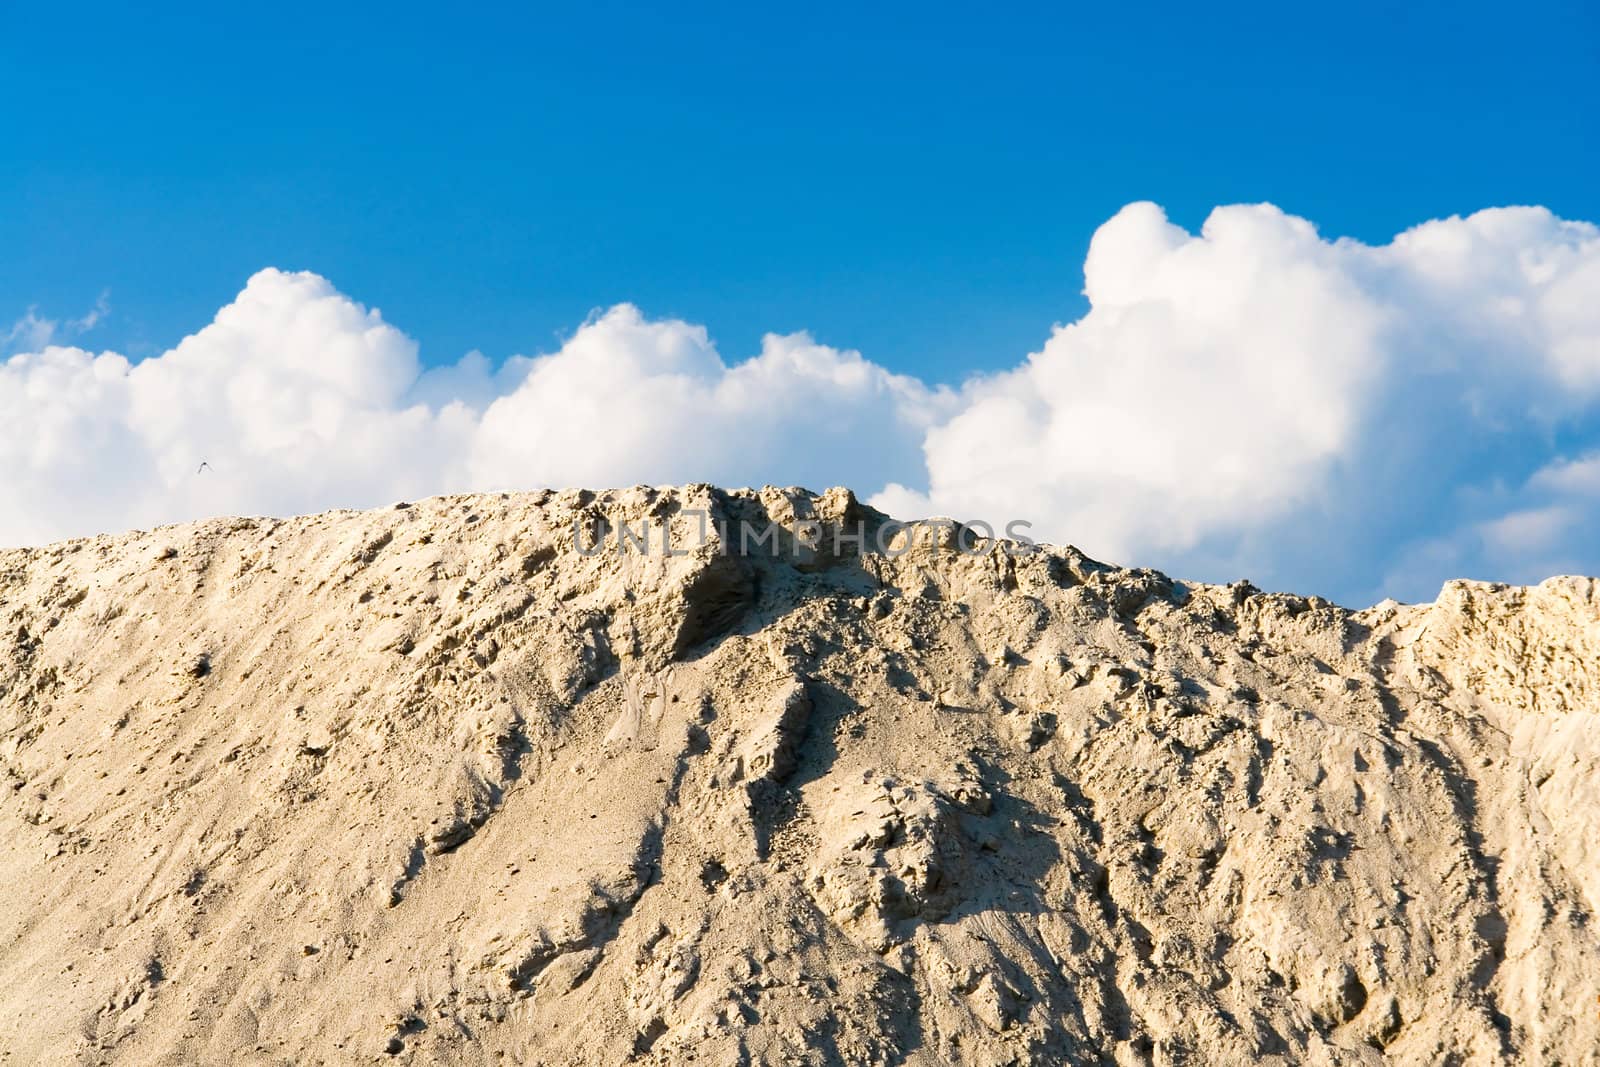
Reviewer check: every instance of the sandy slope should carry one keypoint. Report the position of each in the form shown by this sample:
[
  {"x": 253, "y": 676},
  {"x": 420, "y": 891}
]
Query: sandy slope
[{"x": 426, "y": 785}]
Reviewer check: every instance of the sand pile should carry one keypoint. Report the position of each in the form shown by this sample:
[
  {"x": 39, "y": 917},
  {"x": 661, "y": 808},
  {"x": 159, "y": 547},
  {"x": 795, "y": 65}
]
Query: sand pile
[{"x": 430, "y": 785}]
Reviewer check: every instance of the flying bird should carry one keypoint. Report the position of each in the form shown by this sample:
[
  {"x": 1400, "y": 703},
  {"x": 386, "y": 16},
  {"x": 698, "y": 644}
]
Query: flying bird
[{"x": 204, "y": 466}]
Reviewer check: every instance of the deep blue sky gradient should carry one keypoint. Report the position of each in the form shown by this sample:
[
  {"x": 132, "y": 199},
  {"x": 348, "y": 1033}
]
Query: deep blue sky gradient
[{"x": 916, "y": 181}]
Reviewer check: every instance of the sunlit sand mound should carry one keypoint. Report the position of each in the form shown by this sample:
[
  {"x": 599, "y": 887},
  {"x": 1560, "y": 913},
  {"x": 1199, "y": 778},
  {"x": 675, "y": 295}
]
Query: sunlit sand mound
[{"x": 436, "y": 784}]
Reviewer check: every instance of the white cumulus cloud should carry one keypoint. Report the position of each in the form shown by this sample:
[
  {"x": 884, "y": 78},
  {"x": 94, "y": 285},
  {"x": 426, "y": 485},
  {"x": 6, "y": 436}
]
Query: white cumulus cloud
[
  {"x": 296, "y": 398},
  {"x": 1254, "y": 399},
  {"x": 630, "y": 400},
  {"x": 1258, "y": 399}
]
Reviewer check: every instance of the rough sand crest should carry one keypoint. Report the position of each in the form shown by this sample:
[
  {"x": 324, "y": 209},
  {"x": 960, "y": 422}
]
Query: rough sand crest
[{"x": 426, "y": 785}]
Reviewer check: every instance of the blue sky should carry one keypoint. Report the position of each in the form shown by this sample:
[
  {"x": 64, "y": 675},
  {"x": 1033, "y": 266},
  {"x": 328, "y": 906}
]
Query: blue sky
[
  {"x": 914, "y": 181},
  {"x": 1308, "y": 336}
]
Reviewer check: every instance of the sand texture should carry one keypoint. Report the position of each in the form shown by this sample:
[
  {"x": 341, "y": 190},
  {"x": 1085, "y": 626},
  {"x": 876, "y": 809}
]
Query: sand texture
[{"x": 427, "y": 785}]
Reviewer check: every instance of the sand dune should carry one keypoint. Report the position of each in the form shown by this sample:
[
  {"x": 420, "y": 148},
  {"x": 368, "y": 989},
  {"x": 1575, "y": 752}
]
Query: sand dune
[{"x": 428, "y": 784}]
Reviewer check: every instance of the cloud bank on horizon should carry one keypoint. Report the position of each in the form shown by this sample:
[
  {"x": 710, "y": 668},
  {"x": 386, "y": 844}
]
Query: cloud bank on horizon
[{"x": 1328, "y": 416}]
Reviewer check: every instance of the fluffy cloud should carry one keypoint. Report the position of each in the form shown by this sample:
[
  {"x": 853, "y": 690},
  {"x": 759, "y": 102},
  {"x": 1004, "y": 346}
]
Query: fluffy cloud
[
  {"x": 1253, "y": 399},
  {"x": 1256, "y": 399},
  {"x": 1212, "y": 379},
  {"x": 628, "y": 400},
  {"x": 296, "y": 398}
]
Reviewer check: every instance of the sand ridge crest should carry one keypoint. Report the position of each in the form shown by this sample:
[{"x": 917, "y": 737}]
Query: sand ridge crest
[{"x": 426, "y": 784}]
